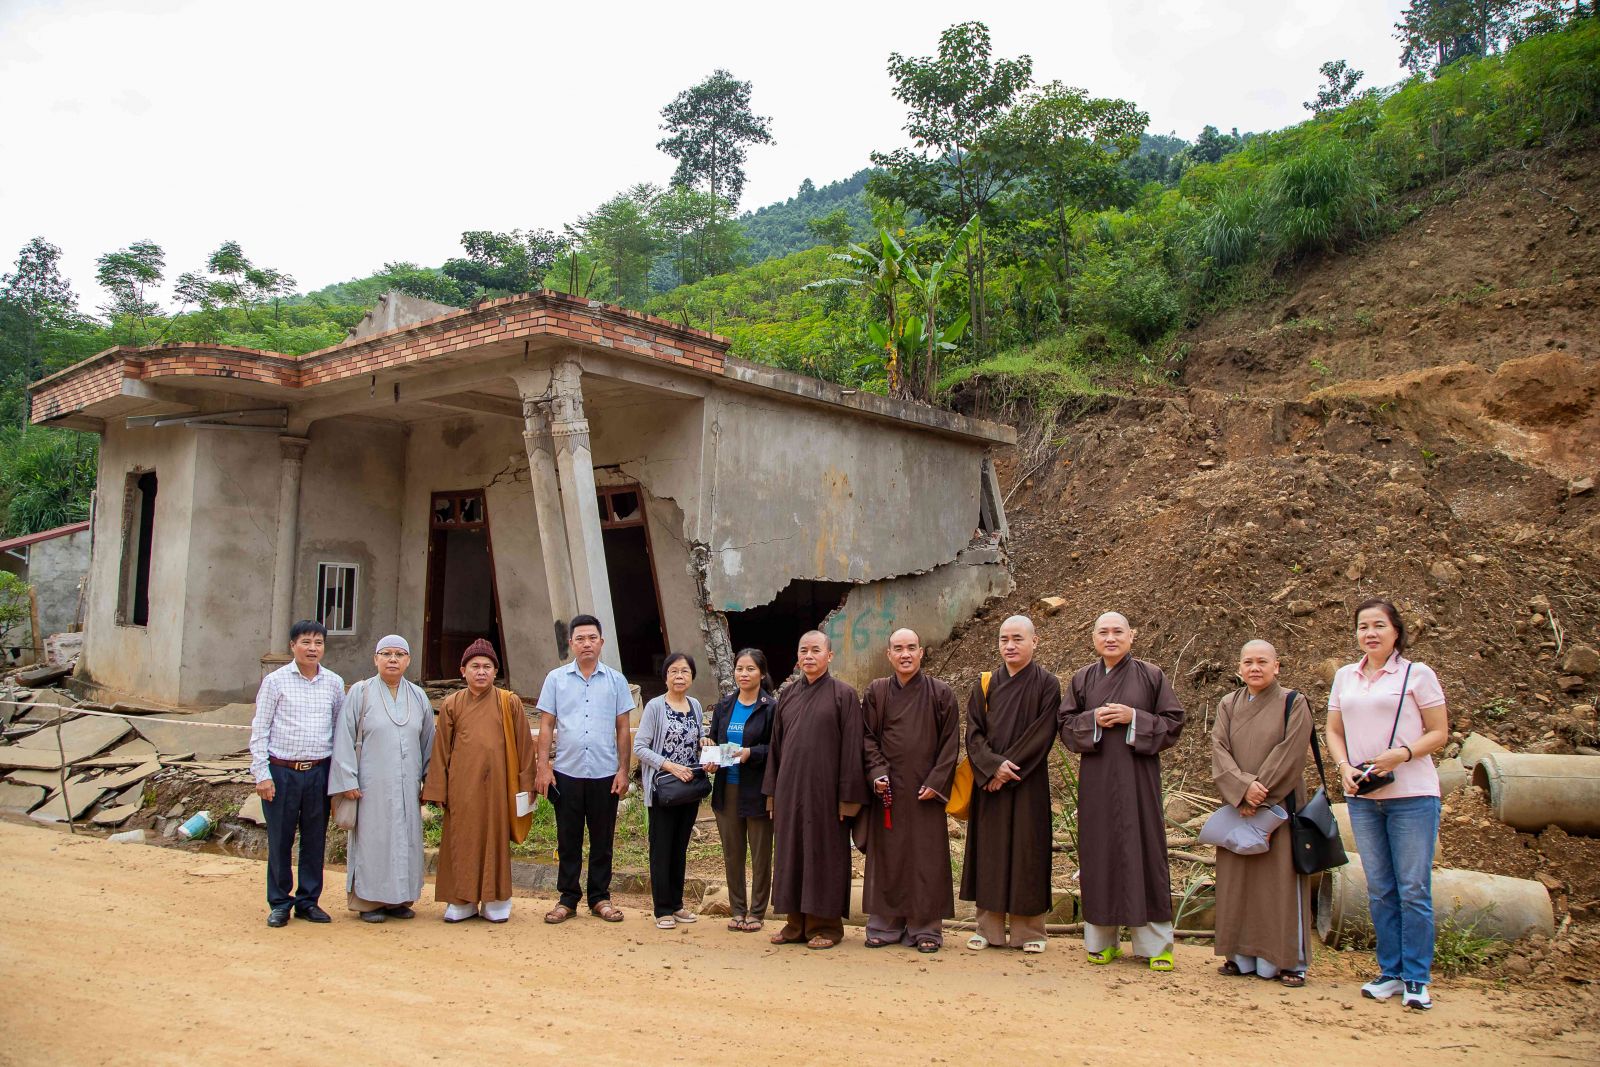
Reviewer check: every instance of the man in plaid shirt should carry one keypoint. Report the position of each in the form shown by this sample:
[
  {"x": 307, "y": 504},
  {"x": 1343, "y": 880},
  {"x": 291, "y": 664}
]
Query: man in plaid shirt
[{"x": 291, "y": 740}]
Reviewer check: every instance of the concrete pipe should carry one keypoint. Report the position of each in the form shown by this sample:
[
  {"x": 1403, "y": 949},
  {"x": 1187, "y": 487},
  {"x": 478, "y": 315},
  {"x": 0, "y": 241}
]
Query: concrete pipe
[
  {"x": 1531, "y": 791},
  {"x": 1347, "y": 833},
  {"x": 1496, "y": 906},
  {"x": 1452, "y": 776},
  {"x": 1475, "y": 747}
]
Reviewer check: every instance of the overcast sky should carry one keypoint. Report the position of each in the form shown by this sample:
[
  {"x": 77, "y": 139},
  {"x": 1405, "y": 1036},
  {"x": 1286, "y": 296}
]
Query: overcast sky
[{"x": 329, "y": 136}]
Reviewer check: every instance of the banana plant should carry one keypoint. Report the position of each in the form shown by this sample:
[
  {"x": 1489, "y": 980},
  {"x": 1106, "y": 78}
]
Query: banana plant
[
  {"x": 925, "y": 289},
  {"x": 879, "y": 272}
]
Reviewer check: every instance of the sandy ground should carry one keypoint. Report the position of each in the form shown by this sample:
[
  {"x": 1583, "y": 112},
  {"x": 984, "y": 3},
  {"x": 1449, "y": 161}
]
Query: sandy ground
[{"x": 132, "y": 954}]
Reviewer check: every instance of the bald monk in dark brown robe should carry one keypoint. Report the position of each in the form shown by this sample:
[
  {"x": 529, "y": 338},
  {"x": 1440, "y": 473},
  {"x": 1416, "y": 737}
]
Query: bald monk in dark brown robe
[
  {"x": 1121, "y": 713},
  {"x": 470, "y": 774},
  {"x": 1258, "y": 757},
  {"x": 814, "y": 784},
  {"x": 1009, "y": 736},
  {"x": 912, "y": 741}
]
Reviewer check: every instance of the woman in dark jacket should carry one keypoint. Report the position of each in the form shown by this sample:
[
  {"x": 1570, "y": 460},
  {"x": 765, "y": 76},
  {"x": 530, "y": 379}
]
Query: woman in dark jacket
[{"x": 742, "y": 721}]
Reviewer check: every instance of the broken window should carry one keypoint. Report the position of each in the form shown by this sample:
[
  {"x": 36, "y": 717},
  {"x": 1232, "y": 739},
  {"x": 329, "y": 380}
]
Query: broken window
[
  {"x": 991, "y": 506},
  {"x": 336, "y": 596},
  {"x": 775, "y": 627},
  {"x": 138, "y": 527}
]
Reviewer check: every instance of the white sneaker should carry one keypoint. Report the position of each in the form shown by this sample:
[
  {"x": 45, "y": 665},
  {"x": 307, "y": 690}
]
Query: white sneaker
[
  {"x": 1416, "y": 997},
  {"x": 1383, "y": 987}
]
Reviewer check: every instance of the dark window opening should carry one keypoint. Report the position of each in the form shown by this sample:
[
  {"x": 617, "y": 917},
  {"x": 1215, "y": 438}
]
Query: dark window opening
[
  {"x": 641, "y": 636},
  {"x": 775, "y": 628},
  {"x": 138, "y": 530},
  {"x": 463, "y": 603}
]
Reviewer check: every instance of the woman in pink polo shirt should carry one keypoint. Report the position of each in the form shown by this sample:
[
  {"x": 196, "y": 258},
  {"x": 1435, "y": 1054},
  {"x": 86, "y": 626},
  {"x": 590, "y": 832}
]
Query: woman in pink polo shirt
[{"x": 1386, "y": 715}]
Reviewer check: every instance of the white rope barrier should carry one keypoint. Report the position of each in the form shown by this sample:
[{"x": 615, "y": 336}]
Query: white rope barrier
[{"x": 128, "y": 715}]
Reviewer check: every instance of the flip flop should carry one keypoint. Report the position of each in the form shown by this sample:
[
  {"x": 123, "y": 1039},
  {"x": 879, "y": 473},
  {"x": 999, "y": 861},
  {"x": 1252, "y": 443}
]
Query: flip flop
[
  {"x": 820, "y": 942},
  {"x": 1161, "y": 961}
]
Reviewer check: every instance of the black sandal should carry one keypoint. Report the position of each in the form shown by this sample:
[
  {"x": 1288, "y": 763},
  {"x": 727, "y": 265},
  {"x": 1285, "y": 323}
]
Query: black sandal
[
  {"x": 1292, "y": 979},
  {"x": 927, "y": 944},
  {"x": 876, "y": 942},
  {"x": 1231, "y": 970}
]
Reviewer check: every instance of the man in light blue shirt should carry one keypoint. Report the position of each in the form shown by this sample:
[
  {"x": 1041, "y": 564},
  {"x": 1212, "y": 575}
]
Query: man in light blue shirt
[{"x": 589, "y": 703}]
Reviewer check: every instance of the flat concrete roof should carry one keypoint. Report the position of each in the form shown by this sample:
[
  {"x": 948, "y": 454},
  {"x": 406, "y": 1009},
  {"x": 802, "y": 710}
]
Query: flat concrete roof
[{"x": 94, "y": 388}]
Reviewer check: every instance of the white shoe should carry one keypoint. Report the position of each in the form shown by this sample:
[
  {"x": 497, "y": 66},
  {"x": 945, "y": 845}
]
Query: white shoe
[
  {"x": 496, "y": 911},
  {"x": 1416, "y": 997},
  {"x": 454, "y": 913},
  {"x": 1382, "y": 988}
]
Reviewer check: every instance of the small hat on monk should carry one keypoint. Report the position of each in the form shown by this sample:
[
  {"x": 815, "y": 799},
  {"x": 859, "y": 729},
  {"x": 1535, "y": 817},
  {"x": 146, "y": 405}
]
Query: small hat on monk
[
  {"x": 392, "y": 641},
  {"x": 480, "y": 647}
]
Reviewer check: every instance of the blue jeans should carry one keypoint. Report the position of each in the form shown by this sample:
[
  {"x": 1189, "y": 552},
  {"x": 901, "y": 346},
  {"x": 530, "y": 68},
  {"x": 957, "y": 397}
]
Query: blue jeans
[{"x": 1396, "y": 840}]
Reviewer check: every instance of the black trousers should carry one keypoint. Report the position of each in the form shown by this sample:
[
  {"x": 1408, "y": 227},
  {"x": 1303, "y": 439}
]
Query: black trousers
[
  {"x": 580, "y": 803},
  {"x": 670, "y": 829},
  {"x": 300, "y": 804}
]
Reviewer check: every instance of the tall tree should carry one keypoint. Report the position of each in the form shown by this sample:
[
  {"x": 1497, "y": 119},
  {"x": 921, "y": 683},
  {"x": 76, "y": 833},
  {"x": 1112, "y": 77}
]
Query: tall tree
[
  {"x": 1435, "y": 33},
  {"x": 704, "y": 239},
  {"x": 37, "y": 307},
  {"x": 1339, "y": 86},
  {"x": 621, "y": 236},
  {"x": 127, "y": 275},
  {"x": 708, "y": 127},
  {"x": 954, "y": 101},
  {"x": 504, "y": 263}
]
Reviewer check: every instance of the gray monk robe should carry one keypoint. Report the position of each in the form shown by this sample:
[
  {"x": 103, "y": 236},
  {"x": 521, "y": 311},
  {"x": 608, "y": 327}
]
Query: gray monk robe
[
  {"x": 470, "y": 776},
  {"x": 381, "y": 746},
  {"x": 913, "y": 737},
  {"x": 814, "y": 771},
  {"x": 1263, "y": 905},
  {"x": 1008, "y": 860},
  {"x": 1122, "y": 835}
]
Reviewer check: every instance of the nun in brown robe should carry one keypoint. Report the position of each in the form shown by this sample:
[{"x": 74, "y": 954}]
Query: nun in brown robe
[
  {"x": 815, "y": 782},
  {"x": 912, "y": 741},
  {"x": 1007, "y": 867},
  {"x": 1258, "y": 757},
  {"x": 471, "y": 775},
  {"x": 1120, "y": 713}
]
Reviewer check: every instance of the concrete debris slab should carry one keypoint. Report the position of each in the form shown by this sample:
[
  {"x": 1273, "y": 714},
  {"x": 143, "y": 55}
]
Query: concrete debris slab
[
  {"x": 122, "y": 707},
  {"x": 123, "y": 779},
  {"x": 81, "y": 738},
  {"x": 16, "y": 756},
  {"x": 205, "y": 742},
  {"x": 83, "y": 794},
  {"x": 47, "y": 779},
  {"x": 251, "y": 811},
  {"x": 134, "y": 795},
  {"x": 115, "y": 816},
  {"x": 18, "y": 797},
  {"x": 127, "y": 754},
  {"x": 44, "y": 675}
]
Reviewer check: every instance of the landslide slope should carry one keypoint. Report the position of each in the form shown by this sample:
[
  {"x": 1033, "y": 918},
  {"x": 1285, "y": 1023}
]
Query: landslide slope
[{"x": 1416, "y": 419}]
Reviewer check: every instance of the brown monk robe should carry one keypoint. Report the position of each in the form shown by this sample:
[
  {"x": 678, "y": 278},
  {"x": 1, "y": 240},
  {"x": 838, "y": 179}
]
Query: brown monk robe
[
  {"x": 1120, "y": 713},
  {"x": 911, "y": 743},
  {"x": 470, "y": 775},
  {"x": 815, "y": 783},
  {"x": 1258, "y": 758},
  {"x": 1007, "y": 867}
]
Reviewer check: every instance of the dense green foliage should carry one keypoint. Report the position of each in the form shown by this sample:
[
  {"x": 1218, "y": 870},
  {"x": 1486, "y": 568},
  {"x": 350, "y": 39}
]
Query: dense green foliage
[{"x": 782, "y": 228}]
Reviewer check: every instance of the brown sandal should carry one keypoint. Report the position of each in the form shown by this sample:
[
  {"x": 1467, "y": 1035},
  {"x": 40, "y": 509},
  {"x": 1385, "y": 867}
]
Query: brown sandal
[
  {"x": 558, "y": 914},
  {"x": 607, "y": 911},
  {"x": 1292, "y": 979},
  {"x": 736, "y": 924},
  {"x": 779, "y": 939},
  {"x": 1231, "y": 970},
  {"x": 821, "y": 942}
]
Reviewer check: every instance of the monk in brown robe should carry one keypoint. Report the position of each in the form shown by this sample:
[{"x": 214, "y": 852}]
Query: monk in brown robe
[
  {"x": 1258, "y": 757},
  {"x": 814, "y": 784},
  {"x": 912, "y": 741},
  {"x": 1009, "y": 735},
  {"x": 481, "y": 748},
  {"x": 1121, "y": 713}
]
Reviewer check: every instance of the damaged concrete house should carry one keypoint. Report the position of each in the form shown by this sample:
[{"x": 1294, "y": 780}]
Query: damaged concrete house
[{"x": 448, "y": 474}]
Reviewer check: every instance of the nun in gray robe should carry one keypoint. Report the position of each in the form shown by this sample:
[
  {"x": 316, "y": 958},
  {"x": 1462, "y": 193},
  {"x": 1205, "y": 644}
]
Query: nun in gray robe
[{"x": 381, "y": 748}]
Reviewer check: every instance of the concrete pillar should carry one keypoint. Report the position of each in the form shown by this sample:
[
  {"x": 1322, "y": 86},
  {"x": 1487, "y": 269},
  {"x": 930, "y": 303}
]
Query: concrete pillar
[
  {"x": 293, "y": 452},
  {"x": 547, "y": 506},
  {"x": 580, "y": 505}
]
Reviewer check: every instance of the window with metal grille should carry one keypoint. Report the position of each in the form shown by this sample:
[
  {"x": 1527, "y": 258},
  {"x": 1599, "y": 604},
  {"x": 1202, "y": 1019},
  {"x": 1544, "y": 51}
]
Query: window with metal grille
[{"x": 336, "y": 596}]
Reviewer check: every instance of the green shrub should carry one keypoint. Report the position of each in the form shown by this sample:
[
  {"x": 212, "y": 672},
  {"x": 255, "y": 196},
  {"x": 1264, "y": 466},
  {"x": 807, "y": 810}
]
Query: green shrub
[{"x": 1320, "y": 198}]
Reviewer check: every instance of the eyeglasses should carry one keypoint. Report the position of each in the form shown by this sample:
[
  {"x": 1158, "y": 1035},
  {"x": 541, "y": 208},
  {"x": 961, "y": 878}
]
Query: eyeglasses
[{"x": 394, "y": 655}]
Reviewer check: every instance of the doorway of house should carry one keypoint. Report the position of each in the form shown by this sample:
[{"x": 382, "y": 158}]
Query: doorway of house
[
  {"x": 463, "y": 602},
  {"x": 641, "y": 636}
]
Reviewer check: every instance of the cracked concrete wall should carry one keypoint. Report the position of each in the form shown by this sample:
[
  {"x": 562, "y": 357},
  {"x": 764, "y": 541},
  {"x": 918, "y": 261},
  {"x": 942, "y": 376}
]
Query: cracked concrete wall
[
  {"x": 932, "y": 603},
  {"x": 350, "y": 498},
  {"x": 487, "y": 453},
  {"x": 802, "y": 492},
  {"x": 145, "y": 660},
  {"x": 55, "y": 567}
]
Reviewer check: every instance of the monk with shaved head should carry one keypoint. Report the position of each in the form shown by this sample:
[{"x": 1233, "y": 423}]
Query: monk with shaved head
[
  {"x": 1120, "y": 713},
  {"x": 1011, "y": 720},
  {"x": 1258, "y": 758},
  {"x": 814, "y": 785},
  {"x": 912, "y": 742}
]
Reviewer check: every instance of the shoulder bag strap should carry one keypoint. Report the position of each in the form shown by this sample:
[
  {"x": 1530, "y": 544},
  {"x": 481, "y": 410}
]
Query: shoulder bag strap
[
  {"x": 1397, "y": 708},
  {"x": 1316, "y": 749}
]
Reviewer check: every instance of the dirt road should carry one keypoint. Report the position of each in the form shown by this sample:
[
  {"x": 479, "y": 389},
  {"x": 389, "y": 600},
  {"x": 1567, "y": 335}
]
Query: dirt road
[{"x": 132, "y": 954}]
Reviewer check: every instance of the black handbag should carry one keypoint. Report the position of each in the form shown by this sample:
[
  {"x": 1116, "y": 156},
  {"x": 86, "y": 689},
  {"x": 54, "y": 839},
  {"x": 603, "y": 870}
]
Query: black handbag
[
  {"x": 670, "y": 790},
  {"x": 1312, "y": 829}
]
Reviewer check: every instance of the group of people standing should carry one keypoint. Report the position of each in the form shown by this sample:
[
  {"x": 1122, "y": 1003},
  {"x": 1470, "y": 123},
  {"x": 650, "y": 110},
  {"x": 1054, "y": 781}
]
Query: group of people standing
[{"x": 796, "y": 775}]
